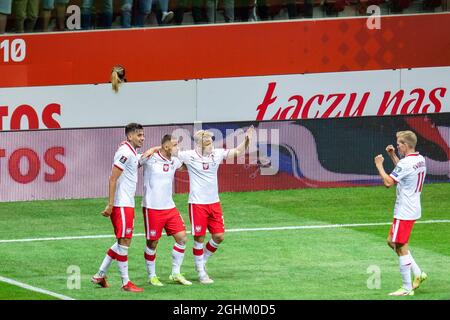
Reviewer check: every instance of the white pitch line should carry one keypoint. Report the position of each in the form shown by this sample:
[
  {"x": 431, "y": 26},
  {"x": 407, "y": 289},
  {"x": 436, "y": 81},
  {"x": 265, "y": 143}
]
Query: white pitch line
[
  {"x": 319, "y": 226},
  {"x": 35, "y": 289}
]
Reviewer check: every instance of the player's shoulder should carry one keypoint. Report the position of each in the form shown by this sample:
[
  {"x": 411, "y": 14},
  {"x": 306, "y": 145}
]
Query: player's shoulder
[
  {"x": 176, "y": 159},
  {"x": 125, "y": 149},
  {"x": 185, "y": 154}
]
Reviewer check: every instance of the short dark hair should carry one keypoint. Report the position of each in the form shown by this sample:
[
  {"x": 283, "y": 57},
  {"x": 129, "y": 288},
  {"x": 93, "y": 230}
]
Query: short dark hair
[
  {"x": 132, "y": 127},
  {"x": 167, "y": 137}
]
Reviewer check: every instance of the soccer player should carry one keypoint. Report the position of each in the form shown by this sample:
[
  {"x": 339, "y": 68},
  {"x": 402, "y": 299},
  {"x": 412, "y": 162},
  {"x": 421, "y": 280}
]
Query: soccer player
[
  {"x": 409, "y": 175},
  {"x": 122, "y": 188},
  {"x": 159, "y": 210},
  {"x": 205, "y": 211}
]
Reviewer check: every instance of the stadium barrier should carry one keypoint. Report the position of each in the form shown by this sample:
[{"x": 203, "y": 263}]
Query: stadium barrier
[
  {"x": 76, "y": 163},
  {"x": 281, "y": 97}
]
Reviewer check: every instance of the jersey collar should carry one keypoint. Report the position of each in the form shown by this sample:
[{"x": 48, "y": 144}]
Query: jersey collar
[
  {"x": 162, "y": 157},
  {"x": 413, "y": 154},
  {"x": 131, "y": 147}
]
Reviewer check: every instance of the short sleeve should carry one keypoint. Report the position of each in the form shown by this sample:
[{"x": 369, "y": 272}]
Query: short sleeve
[
  {"x": 183, "y": 156},
  {"x": 120, "y": 159},
  {"x": 400, "y": 171},
  {"x": 143, "y": 161},
  {"x": 178, "y": 164}
]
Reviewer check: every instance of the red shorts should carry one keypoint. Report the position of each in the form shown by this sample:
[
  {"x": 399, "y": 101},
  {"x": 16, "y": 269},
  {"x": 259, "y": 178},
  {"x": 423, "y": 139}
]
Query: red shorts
[
  {"x": 156, "y": 220},
  {"x": 204, "y": 216},
  {"x": 401, "y": 230},
  {"x": 122, "y": 219}
]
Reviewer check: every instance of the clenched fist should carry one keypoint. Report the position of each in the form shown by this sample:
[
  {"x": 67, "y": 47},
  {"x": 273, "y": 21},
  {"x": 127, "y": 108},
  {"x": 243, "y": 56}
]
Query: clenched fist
[
  {"x": 379, "y": 159},
  {"x": 108, "y": 210},
  {"x": 390, "y": 149}
]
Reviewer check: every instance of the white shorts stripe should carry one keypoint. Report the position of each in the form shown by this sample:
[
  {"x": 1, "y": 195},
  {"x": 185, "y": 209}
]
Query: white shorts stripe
[
  {"x": 192, "y": 218},
  {"x": 124, "y": 225},
  {"x": 394, "y": 236},
  {"x": 147, "y": 224}
]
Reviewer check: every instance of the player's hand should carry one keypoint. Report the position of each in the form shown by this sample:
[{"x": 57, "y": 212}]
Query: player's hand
[
  {"x": 379, "y": 159},
  {"x": 150, "y": 152},
  {"x": 108, "y": 211},
  {"x": 390, "y": 150}
]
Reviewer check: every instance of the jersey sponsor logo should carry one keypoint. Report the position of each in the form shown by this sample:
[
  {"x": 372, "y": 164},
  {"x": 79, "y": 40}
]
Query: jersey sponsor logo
[
  {"x": 165, "y": 167},
  {"x": 205, "y": 166},
  {"x": 123, "y": 159}
]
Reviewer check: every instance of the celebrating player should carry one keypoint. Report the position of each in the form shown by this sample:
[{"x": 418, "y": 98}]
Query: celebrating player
[
  {"x": 159, "y": 209},
  {"x": 122, "y": 188},
  {"x": 409, "y": 175},
  {"x": 205, "y": 211}
]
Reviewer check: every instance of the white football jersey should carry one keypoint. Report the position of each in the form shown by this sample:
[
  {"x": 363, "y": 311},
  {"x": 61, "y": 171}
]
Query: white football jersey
[
  {"x": 126, "y": 159},
  {"x": 203, "y": 185},
  {"x": 410, "y": 175},
  {"x": 159, "y": 173}
]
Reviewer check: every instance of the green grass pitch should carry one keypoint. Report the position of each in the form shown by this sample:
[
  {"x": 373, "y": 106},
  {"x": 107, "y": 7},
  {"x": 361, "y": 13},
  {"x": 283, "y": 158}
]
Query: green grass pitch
[{"x": 319, "y": 263}]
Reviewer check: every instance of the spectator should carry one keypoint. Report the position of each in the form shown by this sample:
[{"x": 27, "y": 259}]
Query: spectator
[
  {"x": 180, "y": 7},
  {"x": 211, "y": 10},
  {"x": 47, "y": 8},
  {"x": 105, "y": 16},
  {"x": 198, "y": 11},
  {"x": 5, "y": 10},
  {"x": 142, "y": 8},
  {"x": 26, "y": 14}
]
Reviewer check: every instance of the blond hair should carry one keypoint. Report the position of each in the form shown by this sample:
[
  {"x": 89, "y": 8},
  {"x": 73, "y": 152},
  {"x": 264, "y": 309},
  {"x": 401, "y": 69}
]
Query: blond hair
[
  {"x": 407, "y": 137},
  {"x": 117, "y": 76},
  {"x": 201, "y": 135}
]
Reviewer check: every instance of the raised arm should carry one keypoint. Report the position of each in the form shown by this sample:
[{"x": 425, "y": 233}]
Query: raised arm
[
  {"x": 391, "y": 152},
  {"x": 387, "y": 180},
  {"x": 115, "y": 174},
  {"x": 244, "y": 145},
  {"x": 147, "y": 154}
]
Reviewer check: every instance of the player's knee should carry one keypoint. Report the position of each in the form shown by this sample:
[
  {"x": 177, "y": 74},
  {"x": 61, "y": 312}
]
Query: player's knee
[
  {"x": 124, "y": 242},
  {"x": 218, "y": 238},
  {"x": 390, "y": 244},
  {"x": 182, "y": 240},
  {"x": 152, "y": 244}
]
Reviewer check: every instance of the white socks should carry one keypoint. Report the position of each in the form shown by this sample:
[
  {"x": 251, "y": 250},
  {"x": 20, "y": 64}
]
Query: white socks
[
  {"x": 414, "y": 266},
  {"x": 150, "y": 261},
  {"x": 177, "y": 257},
  {"x": 198, "y": 258},
  {"x": 405, "y": 271},
  {"x": 211, "y": 247},
  {"x": 122, "y": 261}
]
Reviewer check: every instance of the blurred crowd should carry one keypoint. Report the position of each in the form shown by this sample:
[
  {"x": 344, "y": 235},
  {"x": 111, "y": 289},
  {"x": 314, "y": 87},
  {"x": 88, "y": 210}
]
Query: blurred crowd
[{"x": 18, "y": 16}]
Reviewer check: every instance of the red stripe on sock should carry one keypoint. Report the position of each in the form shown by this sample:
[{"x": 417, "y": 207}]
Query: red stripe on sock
[
  {"x": 178, "y": 249},
  {"x": 112, "y": 254},
  {"x": 121, "y": 258},
  {"x": 197, "y": 252},
  {"x": 149, "y": 257},
  {"x": 210, "y": 247}
]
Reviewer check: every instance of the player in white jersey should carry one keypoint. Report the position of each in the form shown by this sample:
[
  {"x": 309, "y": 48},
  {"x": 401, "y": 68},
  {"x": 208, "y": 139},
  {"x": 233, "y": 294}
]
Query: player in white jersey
[
  {"x": 205, "y": 211},
  {"x": 409, "y": 175},
  {"x": 122, "y": 188},
  {"x": 160, "y": 211}
]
